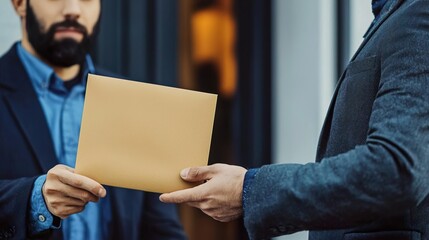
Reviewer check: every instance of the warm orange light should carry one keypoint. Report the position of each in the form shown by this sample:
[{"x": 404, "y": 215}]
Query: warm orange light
[{"x": 213, "y": 41}]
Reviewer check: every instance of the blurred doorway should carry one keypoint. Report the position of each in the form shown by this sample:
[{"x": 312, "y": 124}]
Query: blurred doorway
[
  {"x": 225, "y": 48},
  {"x": 208, "y": 63}
]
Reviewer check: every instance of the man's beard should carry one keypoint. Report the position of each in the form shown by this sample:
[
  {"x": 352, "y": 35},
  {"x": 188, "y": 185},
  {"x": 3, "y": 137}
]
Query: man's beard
[{"x": 65, "y": 52}]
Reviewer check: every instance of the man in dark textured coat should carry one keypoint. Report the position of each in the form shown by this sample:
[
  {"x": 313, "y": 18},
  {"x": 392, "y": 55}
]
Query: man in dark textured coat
[
  {"x": 371, "y": 176},
  {"x": 42, "y": 89}
]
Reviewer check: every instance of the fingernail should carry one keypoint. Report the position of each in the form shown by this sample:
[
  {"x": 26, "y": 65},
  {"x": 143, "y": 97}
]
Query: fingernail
[
  {"x": 102, "y": 192},
  {"x": 184, "y": 173}
]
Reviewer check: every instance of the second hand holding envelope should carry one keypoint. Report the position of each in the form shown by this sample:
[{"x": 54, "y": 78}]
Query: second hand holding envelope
[{"x": 140, "y": 136}]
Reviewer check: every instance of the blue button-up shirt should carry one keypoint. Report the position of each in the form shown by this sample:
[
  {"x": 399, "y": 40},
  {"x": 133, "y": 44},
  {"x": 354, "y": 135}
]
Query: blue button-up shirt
[{"x": 63, "y": 111}]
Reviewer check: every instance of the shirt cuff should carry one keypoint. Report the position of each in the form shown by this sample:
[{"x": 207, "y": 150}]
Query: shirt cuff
[
  {"x": 40, "y": 217},
  {"x": 247, "y": 184}
]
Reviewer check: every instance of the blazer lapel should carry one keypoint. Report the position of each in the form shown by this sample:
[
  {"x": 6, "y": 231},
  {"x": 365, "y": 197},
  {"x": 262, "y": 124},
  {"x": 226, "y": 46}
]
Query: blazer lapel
[
  {"x": 390, "y": 7},
  {"x": 24, "y": 105},
  {"x": 125, "y": 216},
  {"x": 386, "y": 12}
]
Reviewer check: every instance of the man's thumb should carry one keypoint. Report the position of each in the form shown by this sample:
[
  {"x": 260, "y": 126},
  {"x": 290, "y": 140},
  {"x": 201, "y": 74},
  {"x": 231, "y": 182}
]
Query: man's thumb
[{"x": 195, "y": 174}]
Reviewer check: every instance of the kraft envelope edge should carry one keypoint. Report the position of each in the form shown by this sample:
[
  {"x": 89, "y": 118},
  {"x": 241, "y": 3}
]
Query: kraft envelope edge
[{"x": 96, "y": 161}]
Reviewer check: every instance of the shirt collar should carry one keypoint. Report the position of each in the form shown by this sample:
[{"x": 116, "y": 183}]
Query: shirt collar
[{"x": 42, "y": 76}]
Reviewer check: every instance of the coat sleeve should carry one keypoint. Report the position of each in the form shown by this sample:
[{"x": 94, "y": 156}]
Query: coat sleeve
[
  {"x": 387, "y": 175},
  {"x": 14, "y": 204}
]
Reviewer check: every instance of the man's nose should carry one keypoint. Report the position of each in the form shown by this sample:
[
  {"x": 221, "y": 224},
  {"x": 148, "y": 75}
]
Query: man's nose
[{"x": 72, "y": 9}]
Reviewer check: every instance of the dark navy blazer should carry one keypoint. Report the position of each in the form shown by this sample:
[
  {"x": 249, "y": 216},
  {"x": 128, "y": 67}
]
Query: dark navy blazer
[
  {"x": 26, "y": 151},
  {"x": 371, "y": 179}
]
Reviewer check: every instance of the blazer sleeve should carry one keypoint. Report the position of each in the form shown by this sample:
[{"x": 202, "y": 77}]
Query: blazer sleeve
[
  {"x": 387, "y": 175},
  {"x": 14, "y": 203},
  {"x": 161, "y": 220}
]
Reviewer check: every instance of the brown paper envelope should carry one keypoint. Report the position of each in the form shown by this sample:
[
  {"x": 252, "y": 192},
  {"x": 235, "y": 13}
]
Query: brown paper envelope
[{"x": 139, "y": 136}]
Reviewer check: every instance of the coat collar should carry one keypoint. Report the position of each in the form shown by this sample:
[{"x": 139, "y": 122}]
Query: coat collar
[
  {"x": 387, "y": 10},
  {"x": 24, "y": 105}
]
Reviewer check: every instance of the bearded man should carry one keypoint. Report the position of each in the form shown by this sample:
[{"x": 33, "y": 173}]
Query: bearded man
[{"x": 42, "y": 90}]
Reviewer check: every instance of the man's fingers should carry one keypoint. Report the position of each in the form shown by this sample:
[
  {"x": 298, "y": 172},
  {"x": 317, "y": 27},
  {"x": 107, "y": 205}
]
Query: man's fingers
[
  {"x": 79, "y": 194},
  {"x": 176, "y": 197},
  {"x": 71, "y": 192},
  {"x": 194, "y": 204},
  {"x": 71, "y": 201},
  {"x": 197, "y": 174},
  {"x": 67, "y": 168},
  {"x": 182, "y": 196},
  {"x": 82, "y": 182},
  {"x": 69, "y": 210}
]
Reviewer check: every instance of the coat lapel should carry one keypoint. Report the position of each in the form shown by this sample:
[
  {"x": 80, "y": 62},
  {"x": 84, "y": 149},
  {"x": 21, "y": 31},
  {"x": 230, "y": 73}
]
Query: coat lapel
[
  {"x": 124, "y": 213},
  {"x": 25, "y": 107},
  {"x": 390, "y": 7}
]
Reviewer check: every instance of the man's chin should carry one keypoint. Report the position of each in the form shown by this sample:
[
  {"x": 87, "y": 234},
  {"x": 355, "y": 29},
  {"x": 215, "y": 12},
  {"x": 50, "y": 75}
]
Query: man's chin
[{"x": 65, "y": 53}]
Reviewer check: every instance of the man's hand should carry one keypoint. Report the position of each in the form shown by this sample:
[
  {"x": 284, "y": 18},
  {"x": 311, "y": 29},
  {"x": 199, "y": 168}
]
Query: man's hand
[
  {"x": 220, "y": 195},
  {"x": 67, "y": 193}
]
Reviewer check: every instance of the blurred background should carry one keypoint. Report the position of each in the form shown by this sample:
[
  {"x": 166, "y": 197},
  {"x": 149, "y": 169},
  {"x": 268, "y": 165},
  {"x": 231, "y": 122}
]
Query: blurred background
[{"x": 273, "y": 63}]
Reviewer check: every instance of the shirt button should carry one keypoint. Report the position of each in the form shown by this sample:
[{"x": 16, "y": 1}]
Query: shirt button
[{"x": 42, "y": 218}]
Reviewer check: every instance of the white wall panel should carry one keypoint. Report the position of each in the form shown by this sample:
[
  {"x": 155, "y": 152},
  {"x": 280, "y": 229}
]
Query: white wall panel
[
  {"x": 10, "y": 29},
  {"x": 303, "y": 78}
]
